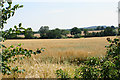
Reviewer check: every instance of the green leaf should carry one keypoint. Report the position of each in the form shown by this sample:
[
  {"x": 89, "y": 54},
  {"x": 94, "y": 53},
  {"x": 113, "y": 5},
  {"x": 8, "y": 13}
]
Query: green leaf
[
  {"x": 9, "y": 2},
  {"x": 15, "y": 27},
  {"x": 20, "y": 6},
  {"x": 11, "y": 46},
  {"x": 13, "y": 13},
  {"x": 4, "y": 46},
  {"x": 20, "y": 24},
  {"x": 19, "y": 44}
]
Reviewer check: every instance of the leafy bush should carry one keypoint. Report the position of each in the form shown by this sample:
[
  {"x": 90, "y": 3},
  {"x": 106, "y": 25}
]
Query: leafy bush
[
  {"x": 106, "y": 67},
  {"x": 61, "y": 74},
  {"x": 11, "y": 54}
]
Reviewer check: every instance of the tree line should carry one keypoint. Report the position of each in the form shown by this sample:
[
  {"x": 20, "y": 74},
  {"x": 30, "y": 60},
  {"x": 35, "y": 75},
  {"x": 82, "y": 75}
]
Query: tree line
[{"x": 46, "y": 33}]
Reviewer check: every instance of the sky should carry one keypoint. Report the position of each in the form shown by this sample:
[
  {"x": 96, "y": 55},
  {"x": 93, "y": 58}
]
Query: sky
[{"x": 65, "y": 14}]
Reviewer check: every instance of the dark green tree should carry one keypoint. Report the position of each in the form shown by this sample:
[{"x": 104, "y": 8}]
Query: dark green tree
[
  {"x": 109, "y": 31},
  {"x": 113, "y": 27},
  {"x": 75, "y": 30},
  {"x": 28, "y": 33},
  {"x": 54, "y": 34},
  {"x": 98, "y": 28},
  {"x": 77, "y": 35},
  {"x": 81, "y": 29},
  {"x": 93, "y": 34},
  {"x": 85, "y": 32},
  {"x": 102, "y": 28},
  {"x": 43, "y": 31},
  {"x": 65, "y": 32}
]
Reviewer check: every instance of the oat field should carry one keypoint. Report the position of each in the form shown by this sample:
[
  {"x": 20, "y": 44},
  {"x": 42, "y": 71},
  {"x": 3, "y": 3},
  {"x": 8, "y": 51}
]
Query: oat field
[{"x": 59, "y": 53}]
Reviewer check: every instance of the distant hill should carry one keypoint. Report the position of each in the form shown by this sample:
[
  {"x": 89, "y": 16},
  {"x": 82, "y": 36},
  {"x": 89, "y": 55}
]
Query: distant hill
[
  {"x": 90, "y": 28},
  {"x": 94, "y": 27}
]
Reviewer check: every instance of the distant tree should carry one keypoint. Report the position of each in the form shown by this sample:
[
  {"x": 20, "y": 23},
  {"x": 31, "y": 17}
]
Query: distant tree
[
  {"x": 28, "y": 33},
  {"x": 50, "y": 34},
  {"x": 102, "y": 28},
  {"x": 98, "y": 28},
  {"x": 43, "y": 30},
  {"x": 77, "y": 35},
  {"x": 85, "y": 32},
  {"x": 98, "y": 34},
  {"x": 57, "y": 33},
  {"x": 54, "y": 34},
  {"x": 65, "y": 32},
  {"x": 81, "y": 29},
  {"x": 75, "y": 30},
  {"x": 102, "y": 33},
  {"x": 93, "y": 34},
  {"x": 113, "y": 27},
  {"x": 109, "y": 31}
]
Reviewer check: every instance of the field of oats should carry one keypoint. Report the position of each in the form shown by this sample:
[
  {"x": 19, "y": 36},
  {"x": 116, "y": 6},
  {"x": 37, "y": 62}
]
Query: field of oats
[{"x": 66, "y": 54}]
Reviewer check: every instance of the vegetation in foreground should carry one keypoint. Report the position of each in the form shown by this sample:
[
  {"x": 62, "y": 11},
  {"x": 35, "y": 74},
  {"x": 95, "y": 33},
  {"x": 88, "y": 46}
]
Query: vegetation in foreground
[
  {"x": 107, "y": 67},
  {"x": 12, "y": 53}
]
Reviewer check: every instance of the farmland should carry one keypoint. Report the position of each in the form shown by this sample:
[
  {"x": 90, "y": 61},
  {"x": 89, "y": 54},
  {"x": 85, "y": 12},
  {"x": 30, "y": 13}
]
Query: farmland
[{"x": 59, "y": 53}]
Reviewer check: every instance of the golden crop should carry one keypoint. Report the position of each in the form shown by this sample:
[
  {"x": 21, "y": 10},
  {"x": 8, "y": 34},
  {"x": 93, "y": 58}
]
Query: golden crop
[{"x": 59, "y": 53}]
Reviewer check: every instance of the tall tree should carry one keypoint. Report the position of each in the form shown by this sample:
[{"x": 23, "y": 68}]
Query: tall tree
[
  {"x": 85, "y": 32},
  {"x": 43, "y": 30},
  {"x": 75, "y": 30},
  {"x": 102, "y": 28},
  {"x": 54, "y": 34},
  {"x": 109, "y": 31},
  {"x": 28, "y": 33}
]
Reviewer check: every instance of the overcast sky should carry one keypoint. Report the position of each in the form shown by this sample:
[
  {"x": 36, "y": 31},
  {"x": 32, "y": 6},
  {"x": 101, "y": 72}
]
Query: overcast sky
[{"x": 65, "y": 14}]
